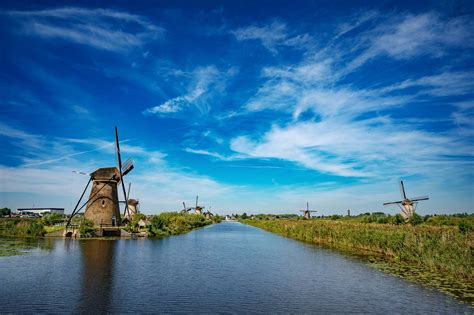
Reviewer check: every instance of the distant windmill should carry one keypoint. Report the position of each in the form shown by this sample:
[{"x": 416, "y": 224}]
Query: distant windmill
[
  {"x": 307, "y": 212},
  {"x": 133, "y": 206},
  {"x": 208, "y": 214},
  {"x": 102, "y": 207},
  {"x": 185, "y": 210},
  {"x": 198, "y": 209},
  {"x": 407, "y": 205}
]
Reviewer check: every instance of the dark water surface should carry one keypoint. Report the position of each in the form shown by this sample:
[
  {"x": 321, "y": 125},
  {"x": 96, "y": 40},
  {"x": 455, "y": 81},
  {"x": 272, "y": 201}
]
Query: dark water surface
[{"x": 228, "y": 267}]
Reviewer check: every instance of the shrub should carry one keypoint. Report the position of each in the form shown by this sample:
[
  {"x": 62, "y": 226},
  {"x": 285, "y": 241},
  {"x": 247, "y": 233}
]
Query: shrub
[
  {"x": 86, "y": 228},
  {"x": 416, "y": 219},
  {"x": 52, "y": 218},
  {"x": 465, "y": 227}
]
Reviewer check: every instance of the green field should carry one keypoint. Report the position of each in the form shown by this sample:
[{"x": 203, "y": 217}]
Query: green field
[{"x": 435, "y": 254}]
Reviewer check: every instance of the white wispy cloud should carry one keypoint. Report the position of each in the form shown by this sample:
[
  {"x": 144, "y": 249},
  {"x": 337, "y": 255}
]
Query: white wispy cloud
[
  {"x": 204, "y": 84},
  {"x": 408, "y": 36},
  {"x": 213, "y": 154},
  {"x": 104, "y": 29},
  {"x": 352, "y": 133},
  {"x": 273, "y": 35}
]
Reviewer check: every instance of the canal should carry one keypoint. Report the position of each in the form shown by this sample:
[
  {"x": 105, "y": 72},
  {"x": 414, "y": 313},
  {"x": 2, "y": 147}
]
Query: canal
[{"x": 228, "y": 267}]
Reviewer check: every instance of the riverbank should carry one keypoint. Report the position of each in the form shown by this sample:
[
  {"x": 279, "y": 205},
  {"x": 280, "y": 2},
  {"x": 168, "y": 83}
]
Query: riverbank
[
  {"x": 436, "y": 256},
  {"x": 160, "y": 225}
]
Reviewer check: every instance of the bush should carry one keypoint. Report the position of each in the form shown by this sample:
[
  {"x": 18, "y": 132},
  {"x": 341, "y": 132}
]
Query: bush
[
  {"x": 87, "y": 228},
  {"x": 172, "y": 223},
  {"x": 5, "y": 211},
  {"x": 465, "y": 227},
  {"x": 398, "y": 219},
  {"x": 416, "y": 219},
  {"x": 52, "y": 218}
]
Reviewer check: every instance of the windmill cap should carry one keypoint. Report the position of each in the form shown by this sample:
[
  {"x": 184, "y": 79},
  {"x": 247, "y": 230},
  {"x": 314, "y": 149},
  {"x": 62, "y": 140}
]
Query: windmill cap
[
  {"x": 132, "y": 202},
  {"x": 106, "y": 174}
]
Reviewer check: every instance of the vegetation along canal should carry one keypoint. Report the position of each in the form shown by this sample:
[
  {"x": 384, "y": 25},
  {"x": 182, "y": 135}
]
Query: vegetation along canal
[{"x": 226, "y": 267}]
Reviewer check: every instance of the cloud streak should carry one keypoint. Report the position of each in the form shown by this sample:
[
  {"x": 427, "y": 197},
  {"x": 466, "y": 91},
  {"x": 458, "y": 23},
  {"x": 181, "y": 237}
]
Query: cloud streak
[{"x": 99, "y": 28}]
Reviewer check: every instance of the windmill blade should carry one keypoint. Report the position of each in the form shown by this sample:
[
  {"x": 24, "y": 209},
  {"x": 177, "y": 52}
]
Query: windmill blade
[
  {"x": 117, "y": 150},
  {"x": 420, "y": 198},
  {"x": 128, "y": 193},
  {"x": 197, "y": 201},
  {"x": 307, "y": 205},
  {"x": 119, "y": 160},
  {"x": 127, "y": 167},
  {"x": 392, "y": 203},
  {"x": 81, "y": 173},
  {"x": 402, "y": 190},
  {"x": 184, "y": 206}
]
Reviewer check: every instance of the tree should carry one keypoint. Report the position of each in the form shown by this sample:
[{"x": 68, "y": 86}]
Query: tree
[
  {"x": 5, "y": 211},
  {"x": 244, "y": 216}
]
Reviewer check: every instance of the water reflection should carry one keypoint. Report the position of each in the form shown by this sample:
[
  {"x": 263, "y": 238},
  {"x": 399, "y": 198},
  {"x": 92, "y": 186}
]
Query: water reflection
[{"x": 97, "y": 276}]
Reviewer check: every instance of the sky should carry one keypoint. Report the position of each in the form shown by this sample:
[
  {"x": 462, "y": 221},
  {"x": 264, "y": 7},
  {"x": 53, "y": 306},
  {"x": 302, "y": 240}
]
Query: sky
[{"x": 256, "y": 106}]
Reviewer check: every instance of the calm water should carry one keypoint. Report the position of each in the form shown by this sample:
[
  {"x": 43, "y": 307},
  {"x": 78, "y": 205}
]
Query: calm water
[{"x": 227, "y": 267}]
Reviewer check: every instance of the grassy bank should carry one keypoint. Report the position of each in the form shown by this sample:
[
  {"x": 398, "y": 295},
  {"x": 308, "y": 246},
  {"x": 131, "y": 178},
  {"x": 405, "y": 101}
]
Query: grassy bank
[
  {"x": 163, "y": 224},
  {"x": 173, "y": 223},
  {"x": 21, "y": 228},
  {"x": 437, "y": 256}
]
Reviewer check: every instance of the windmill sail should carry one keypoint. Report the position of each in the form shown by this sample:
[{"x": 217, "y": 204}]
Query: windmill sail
[
  {"x": 119, "y": 160},
  {"x": 402, "y": 190},
  {"x": 420, "y": 198}
]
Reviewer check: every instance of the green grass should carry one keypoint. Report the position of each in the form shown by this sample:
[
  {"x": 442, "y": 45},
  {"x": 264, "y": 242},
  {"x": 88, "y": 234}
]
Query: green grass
[
  {"x": 173, "y": 223},
  {"x": 15, "y": 227},
  {"x": 437, "y": 256}
]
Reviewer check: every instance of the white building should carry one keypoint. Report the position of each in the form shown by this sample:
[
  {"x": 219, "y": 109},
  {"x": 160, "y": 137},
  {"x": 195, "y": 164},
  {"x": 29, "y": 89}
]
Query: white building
[{"x": 39, "y": 211}]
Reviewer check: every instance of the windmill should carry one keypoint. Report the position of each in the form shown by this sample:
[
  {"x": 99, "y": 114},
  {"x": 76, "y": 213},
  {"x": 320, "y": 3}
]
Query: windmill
[
  {"x": 133, "y": 206},
  {"x": 198, "y": 209},
  {"x": 102, "y": 207},
  {"x": 407, "y": 205},
  {"x": 307, "y": 212},
  {"x": 185, "y": 210},
  {"x": 208, "y": 214}
]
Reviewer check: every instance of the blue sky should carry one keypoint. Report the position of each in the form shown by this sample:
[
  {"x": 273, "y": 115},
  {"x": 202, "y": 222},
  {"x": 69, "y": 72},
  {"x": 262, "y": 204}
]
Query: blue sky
[{"x": 254, "y": 106}]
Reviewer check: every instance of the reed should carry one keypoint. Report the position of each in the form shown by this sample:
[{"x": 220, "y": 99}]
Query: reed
[
  {"x": 439, "y": 256},
  {"x": 21, "y": 227}
]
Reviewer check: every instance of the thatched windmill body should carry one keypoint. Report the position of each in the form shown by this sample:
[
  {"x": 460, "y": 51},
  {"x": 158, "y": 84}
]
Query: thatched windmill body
[
  {"x": 307, "y": 212},
  {"x": 198, "y": 209},
  {"x": 208, "y": 214},
  {"x": 133, "y": 206},
  {"x": 407, "y": 205}
]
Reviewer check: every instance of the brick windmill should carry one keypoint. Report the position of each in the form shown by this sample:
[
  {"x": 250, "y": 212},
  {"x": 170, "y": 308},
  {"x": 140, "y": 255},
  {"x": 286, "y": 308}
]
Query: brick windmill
[
  {"x": 307, "y": 212},
  {"x": 407, "y": 205},
  {"x": 102, "y": 207}
]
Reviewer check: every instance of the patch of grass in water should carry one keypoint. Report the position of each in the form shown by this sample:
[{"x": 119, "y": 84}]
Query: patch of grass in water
[
  {"x": 12, "y": 247},
  {"x": 460, "y": 288}
]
